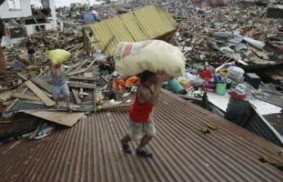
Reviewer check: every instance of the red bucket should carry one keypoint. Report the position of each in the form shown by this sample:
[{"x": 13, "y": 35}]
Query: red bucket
[{"x": 206, "y": 74}]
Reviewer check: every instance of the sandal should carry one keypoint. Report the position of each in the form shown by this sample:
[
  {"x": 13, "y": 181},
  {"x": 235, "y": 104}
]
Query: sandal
[
  {"x": 126, "y": 147},
  {"x": 144, "y": 153}
]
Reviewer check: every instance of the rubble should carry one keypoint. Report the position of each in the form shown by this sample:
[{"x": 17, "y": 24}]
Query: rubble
[
  {"x": 275, "y": 11},
  {"x": 212, "y": 38}
]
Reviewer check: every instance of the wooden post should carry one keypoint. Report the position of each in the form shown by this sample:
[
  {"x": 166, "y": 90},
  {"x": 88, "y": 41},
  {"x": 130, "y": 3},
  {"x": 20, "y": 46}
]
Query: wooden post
[
  {"x": 2, "y": 60},
  {"x": 94, "y": 71}
]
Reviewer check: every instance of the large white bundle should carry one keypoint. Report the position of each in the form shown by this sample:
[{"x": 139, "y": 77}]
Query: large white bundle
[{"x": 132, "y": 58}]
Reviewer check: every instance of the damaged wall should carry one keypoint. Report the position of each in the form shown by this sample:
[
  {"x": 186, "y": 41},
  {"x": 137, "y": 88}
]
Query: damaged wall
[
  {"x": 15, "y": 8},
  {"x": 52, "y": 21},
  {"x": 53, "y": 13},
  {"x": 45, "y": 3}
]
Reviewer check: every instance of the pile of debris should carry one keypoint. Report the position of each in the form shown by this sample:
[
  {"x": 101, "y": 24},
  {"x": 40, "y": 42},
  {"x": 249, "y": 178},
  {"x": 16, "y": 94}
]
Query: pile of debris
[
  {"x": 212, "y": 38},
  {"x": 89, "y": 79},
  {"x": 211, "y": 33},
  {"x": 237, "y": 44},
  {"x": 25, "y": 86},
  {"x": 18, "y": 59}
]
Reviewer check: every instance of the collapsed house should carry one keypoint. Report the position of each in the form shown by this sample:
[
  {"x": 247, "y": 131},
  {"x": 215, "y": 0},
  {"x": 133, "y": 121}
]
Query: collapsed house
[{"x": 23, "y": 19}]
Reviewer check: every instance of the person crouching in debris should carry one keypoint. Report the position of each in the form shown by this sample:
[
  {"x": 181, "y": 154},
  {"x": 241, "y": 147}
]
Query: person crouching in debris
[
  {"x": 31, "y": 50},
  {"x": 141, "y": 126},
  {"x": 59, "y": 85}
]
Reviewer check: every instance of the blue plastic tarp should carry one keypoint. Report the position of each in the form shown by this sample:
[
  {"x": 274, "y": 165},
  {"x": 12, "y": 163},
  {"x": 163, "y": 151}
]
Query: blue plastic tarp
[{"x": 90, "y": 18}]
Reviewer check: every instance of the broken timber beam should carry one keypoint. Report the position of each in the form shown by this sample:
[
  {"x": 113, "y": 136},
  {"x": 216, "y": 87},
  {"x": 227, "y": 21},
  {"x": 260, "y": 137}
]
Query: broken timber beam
[
  {"x": 82, "y": 70},
  {"x": 113, "y": 106},
  {"x": 82, "y": 78},
  {"x": 77, "y": 66},
  {"x": 76, "y": 95},
  {"x": 24, "y": 96},
  {"x": 16, "y": 100},
  {"x": 2, "y": 60},
  {"x": 94, "y": 69},
  {"x": 42, "y": 84},
  {"x": 81, "y": 85},
  {"x": 21, "y": 76},
  {"x": 43, "y": 97}
]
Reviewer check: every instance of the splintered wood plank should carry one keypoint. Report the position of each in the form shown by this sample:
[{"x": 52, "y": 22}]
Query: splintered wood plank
[
  {"x": 105, "y": 107},
  {"x": 82, "y": 70},
  {"x": 25, "y": 96},
  {"x": 94, "y": 71},
  {"x": 63, "y": 118},
  {"x": 82, "y": 78},
  {"x": 46, "y": 93},
  {"x": 25, "y": 90},
  {"x": 88, "y": 75},
  {"x": 81, "y": 85},
  {"x": 21, "y": 76},
  {"x": 43, "y": 97},
  {"x": 76, "y": 95},
  {"x": 33, "y": 102},
  {"x": 78, "y": 66},
  {"x": 42, "y": 84},
  {"x": 4, "y": 96}
]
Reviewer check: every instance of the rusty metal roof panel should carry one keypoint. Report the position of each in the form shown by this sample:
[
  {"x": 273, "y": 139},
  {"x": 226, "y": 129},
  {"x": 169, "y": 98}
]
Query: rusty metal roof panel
[
  {"x": 91, "y": 151},
  {"x": 143, "y": 24}
]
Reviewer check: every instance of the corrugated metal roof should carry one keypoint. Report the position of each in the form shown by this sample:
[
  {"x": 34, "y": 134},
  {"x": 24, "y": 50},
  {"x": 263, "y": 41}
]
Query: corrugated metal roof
[
  {"x": 143, "y": 24},
  {"x": 259, "y": 127},
  {"x": 91, "y": 151}
]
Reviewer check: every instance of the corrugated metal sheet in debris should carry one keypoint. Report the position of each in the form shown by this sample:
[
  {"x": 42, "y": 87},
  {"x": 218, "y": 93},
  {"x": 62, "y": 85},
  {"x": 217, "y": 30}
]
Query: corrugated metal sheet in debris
[
  {"x": 91, "y": 151},
  {"x": 258, "y": 126},
  {"x": 102, "y": 34},
  {"x": 134, "y": 27},
  {"x": 143, "y": 24}
]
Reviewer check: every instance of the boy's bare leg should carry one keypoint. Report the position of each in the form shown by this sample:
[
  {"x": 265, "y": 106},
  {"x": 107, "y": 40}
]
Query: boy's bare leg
[
  {"x": 144, "y": 141},
  {"x": 67, "y": 100},
  {"x": 140, "y": 150},
  {"x": 57, "y": 103}
]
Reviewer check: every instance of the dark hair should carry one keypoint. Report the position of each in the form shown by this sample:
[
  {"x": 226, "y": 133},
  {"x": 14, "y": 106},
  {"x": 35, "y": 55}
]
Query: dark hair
[{"x": 146, "y": 75}]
